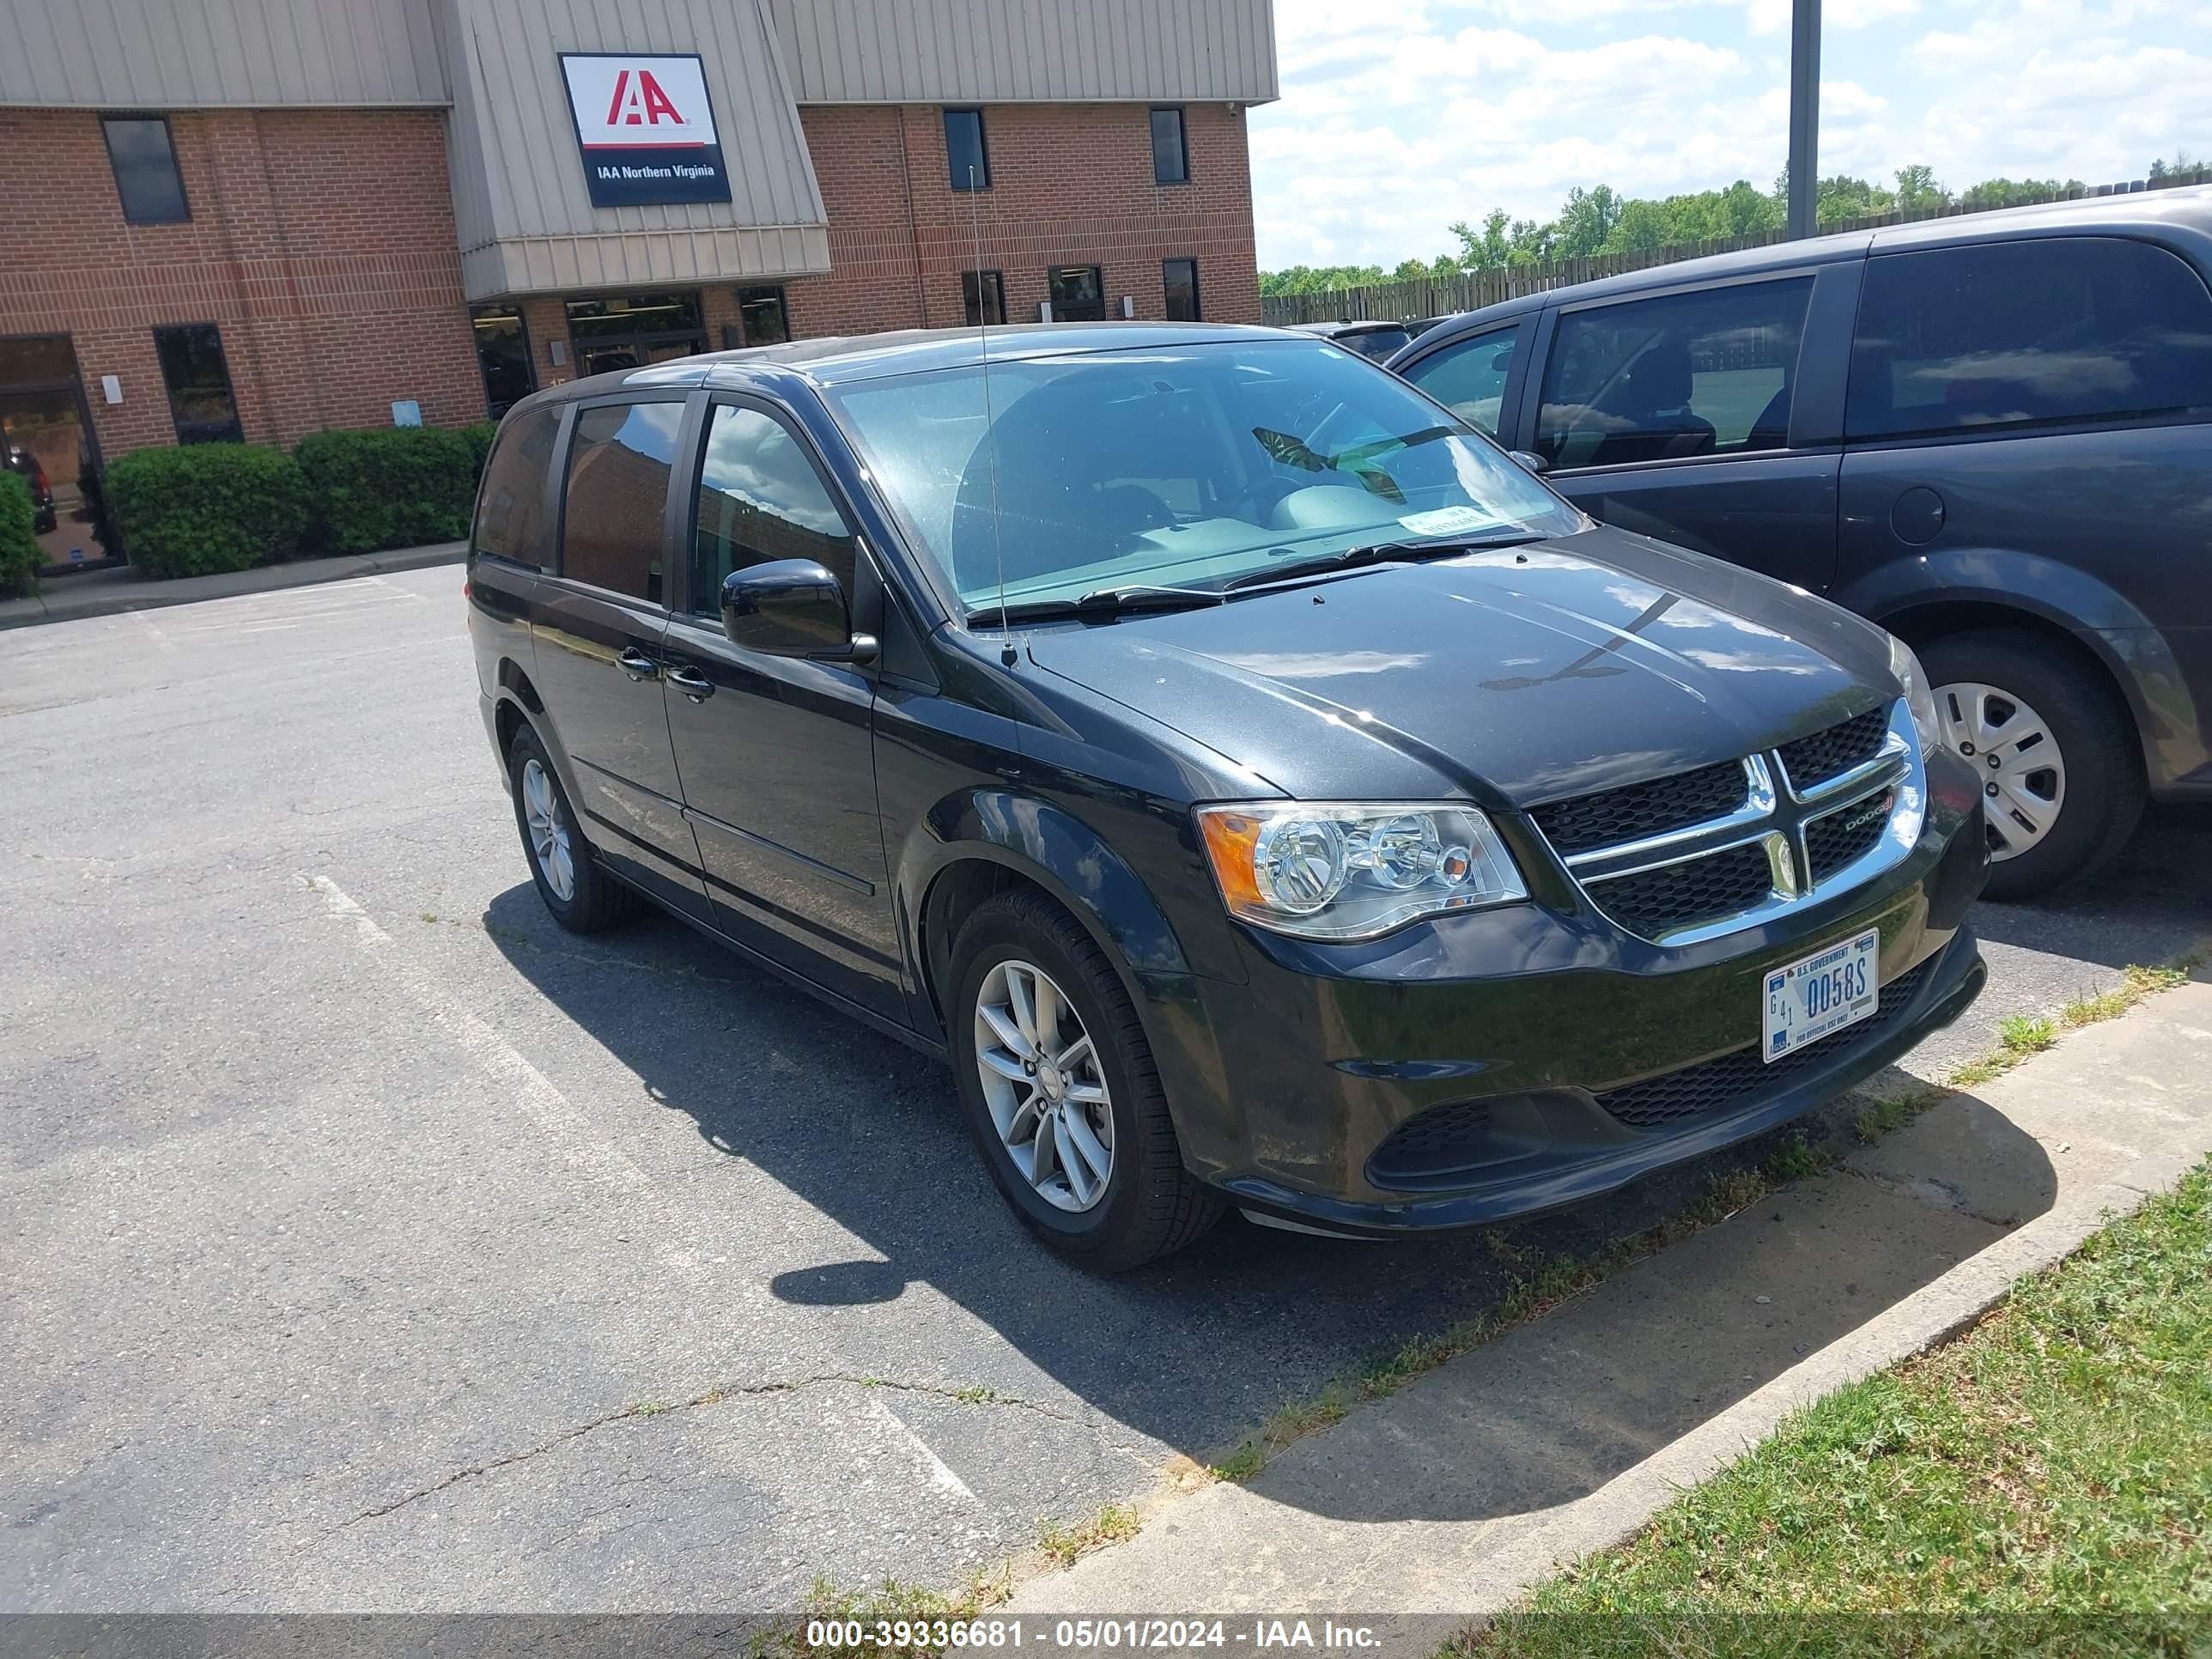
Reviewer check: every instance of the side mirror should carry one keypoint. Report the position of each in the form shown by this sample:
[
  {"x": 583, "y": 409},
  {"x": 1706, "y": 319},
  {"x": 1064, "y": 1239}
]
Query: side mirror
[
  {"x": 791, "y": 608},
  {"x": 1528, "y": 459}
]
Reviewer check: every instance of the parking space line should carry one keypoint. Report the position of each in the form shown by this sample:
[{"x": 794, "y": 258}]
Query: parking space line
[
  {"x": 940, "y": 1473},
  {"x": 571, "y": 1132}
]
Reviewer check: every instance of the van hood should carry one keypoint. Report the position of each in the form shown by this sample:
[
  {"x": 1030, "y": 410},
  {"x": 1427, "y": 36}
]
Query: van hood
[{"x": 1512, "y": 675}]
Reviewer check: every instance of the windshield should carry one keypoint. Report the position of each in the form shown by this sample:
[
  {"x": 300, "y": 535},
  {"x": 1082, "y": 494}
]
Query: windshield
[{"x": 1189, "y": 466}]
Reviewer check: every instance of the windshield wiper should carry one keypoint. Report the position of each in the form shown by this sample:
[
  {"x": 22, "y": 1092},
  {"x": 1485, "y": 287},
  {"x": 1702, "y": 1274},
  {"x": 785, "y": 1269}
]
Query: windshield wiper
[
  {"x": 1102, "y": 601},
  {"x": 1352, "y": 558}
]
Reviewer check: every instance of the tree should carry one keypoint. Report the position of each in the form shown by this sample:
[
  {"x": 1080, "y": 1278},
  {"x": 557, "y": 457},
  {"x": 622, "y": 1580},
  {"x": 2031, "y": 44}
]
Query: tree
[
  {"x": 1917, "y": 191},
  {"x": 2183, "y": 163}
]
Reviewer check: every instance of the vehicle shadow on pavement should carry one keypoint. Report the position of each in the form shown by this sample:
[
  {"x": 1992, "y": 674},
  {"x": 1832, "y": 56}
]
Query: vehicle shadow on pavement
[
  {"x": 2151, "y": 903},
  {"x": 1194, "y": 1352}
]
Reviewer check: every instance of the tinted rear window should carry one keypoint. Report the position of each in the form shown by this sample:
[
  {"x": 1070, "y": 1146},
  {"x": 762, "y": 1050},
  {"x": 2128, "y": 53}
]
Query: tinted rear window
[
  {"x": 510, "y": 508},
  {"x": 619, "y": 459},
  {"x": 2062, "y": 328}
]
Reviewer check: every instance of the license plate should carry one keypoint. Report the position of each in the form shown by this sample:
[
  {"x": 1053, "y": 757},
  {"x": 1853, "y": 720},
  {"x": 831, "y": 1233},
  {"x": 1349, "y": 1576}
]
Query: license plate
[{"x": 1819, "y": 996}]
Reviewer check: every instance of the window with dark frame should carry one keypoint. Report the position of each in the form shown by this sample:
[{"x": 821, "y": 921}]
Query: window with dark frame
[
  {"x": 760, "y": 500},
  {"x": 965, "y": 156},
  {"x": 199, "y": 379},
  {"x": 1468, "y": 376},
  {"x": 1077, "y": 293},
  {"x": 763, "y": 316},
  {"x": 983, "y": 296},
  {"x": 502, "y": 356},
  {"x": 1170, "y": 155},
  {"x": 1179, "y": 277},
  {"x": 511, "y": 506},
  {"x": 1706, "y": 372},
  {"x": 144, "y": 160},
  {"x": 620, "y": 458},
  {"x": 2059, "y": 328}
]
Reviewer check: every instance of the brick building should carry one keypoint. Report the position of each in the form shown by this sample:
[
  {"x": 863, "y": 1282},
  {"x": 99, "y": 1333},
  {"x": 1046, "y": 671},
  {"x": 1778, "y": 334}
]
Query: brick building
[{"x": 225, "y": 219}]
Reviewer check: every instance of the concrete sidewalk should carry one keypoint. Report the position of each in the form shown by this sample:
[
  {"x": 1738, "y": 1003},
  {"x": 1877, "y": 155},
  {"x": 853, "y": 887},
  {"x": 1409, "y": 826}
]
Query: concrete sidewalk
[
  {"x": 1564, "y": 1437},
  {"x": 104, "y": 592}
]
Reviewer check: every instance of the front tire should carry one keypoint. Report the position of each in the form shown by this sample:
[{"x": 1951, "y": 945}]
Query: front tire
[
  {"x": 581, "y": 896},
  {"x": 2061, "y": 767},
  {"x": 1060, "y": 1093}
]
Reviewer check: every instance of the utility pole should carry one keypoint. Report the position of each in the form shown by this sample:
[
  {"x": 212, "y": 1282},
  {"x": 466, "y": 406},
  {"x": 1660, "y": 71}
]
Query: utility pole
[{"x": 1804, "y": 118}]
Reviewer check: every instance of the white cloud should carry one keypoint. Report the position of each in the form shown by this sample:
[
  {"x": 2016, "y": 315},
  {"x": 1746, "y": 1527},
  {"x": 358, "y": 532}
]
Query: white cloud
[{"x": 1401, "y": 116}]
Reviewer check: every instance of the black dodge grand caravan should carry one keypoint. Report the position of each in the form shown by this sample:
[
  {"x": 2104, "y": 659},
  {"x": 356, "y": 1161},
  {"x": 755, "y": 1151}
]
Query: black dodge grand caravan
[{"x": 1262, "y": 790}]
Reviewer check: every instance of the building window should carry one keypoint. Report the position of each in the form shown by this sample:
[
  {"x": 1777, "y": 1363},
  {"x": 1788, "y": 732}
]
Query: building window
[
  {"x": 761, "y": 313},
  {"x": 503, "y": 355},
  {"x": 964, "y": 154},
  {"x": 983, "y": 295},
  {"x": 628, "y": 331},
  {"x": 1180, "y": 278},
  {"x": 1170, "y": 158},
  {"x": 199, "y": 380},
  {"x": 1078, "y": 293},
  {"x": 145, "y": 164}
]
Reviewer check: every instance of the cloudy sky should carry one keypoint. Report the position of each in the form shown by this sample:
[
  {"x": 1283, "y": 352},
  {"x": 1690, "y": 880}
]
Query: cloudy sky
[{"x": 1399, "y": 116}]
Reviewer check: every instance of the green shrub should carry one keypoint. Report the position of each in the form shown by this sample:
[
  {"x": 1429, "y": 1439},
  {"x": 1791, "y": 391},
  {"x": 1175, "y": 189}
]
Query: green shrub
[
  {"x": 19, "y": 557},
  {"x": 206, "y": 507},
  {"x": 395, "y": 486}
]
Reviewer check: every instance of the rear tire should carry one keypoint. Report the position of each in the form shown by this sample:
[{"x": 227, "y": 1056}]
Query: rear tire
[
  {"x": 1150, "y": 1205},
  {"x": 2005, "y": 685},
  {"x": 581, "y": 896}
]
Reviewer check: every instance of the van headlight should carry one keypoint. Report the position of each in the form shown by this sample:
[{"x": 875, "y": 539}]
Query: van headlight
[
  {"x": 1349, "y": 870},
  {"x": 1919, "y": 696}
]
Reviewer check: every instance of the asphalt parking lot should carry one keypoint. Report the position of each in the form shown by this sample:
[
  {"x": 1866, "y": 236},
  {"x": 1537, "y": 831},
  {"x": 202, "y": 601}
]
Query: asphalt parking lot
[{"x": 367, "y": 1235}]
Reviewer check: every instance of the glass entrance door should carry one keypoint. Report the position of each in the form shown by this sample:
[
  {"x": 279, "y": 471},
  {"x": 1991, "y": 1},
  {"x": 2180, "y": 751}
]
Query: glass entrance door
[
  {"x": 46, "y": 440},
  {"x": 628, "y": 331}
]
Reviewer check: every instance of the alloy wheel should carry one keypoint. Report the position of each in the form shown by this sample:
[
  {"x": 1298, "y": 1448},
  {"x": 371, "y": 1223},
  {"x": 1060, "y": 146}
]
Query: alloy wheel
[
  {"x": 1043, "y": 1085},
  {"x": 2012, "y": 747},
  {"x": 549, "y": 834}
]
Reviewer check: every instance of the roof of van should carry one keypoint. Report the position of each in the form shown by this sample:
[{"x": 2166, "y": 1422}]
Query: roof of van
[
  {"x": 2186, "y": 209},
  {"x": 843, "y": 358}
]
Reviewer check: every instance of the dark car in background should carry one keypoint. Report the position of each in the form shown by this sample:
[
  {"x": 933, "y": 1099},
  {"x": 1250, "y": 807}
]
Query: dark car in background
[
  {"x": 1262, "y": 790},
  {"x": 21, "y": 461},
  {"x": 1374, "y": 341},
  {"x": 1991, "y": 433}
]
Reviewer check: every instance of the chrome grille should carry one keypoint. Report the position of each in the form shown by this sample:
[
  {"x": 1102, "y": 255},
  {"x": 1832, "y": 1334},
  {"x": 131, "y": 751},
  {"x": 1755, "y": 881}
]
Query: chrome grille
[
  {"x": 1823, "y": 811},
  {"x": 1828, "y": 754},
  {"x": 1614, "y": 815},
  {"x": 1732, "y": 1079}
]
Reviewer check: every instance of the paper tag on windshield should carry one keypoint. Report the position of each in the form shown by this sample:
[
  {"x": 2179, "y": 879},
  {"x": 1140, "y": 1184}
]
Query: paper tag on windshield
[{"x": 1448, "y": 521}]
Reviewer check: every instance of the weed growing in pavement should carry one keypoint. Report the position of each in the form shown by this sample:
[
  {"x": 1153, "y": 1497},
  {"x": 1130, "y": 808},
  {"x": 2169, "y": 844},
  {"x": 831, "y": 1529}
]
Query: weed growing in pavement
[{"x": 1110, "y": 1524}]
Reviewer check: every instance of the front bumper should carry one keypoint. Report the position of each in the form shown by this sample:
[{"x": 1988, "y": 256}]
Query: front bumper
[{"x": 1501, "y": 1033}]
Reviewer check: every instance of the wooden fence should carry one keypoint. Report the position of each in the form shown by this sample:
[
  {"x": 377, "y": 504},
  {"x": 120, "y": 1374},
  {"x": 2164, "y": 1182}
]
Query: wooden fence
[{"x": 1470, "y": 290}]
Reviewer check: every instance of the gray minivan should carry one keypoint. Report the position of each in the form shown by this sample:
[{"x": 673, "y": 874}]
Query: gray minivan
[{"x": 1992, "y": 434}]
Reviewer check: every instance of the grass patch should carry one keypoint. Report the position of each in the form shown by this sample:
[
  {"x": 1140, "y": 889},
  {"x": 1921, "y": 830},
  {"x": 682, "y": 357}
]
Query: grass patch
[
  {"x": 1111, "y": 1524},
  {"x": 2027, "y": 1033},
  {"x": 2045, "y": 1483}
]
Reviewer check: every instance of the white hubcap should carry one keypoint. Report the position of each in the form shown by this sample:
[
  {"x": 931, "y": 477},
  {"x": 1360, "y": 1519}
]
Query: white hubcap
[
  {"x": 2012, "y": 749},
  {"x": 549, "y": 834},
  {"x": 1042, "y": 1084}
]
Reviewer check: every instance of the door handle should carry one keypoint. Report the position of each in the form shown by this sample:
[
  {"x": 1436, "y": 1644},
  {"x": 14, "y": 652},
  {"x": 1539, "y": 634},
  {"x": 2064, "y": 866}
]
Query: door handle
[
  {"x": 639, "y": 666},
  {"x": 690, "y": 682}
]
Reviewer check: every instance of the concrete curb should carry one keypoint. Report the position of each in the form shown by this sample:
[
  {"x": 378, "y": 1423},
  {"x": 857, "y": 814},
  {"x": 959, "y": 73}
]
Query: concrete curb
[
  {"x": 111, "y": 592},
  {"x": 1456, "y": 1495}
]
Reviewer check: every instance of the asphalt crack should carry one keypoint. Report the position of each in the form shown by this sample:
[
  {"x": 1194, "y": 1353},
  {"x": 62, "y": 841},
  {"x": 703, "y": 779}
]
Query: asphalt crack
[{"x": 714, "y": 1396}]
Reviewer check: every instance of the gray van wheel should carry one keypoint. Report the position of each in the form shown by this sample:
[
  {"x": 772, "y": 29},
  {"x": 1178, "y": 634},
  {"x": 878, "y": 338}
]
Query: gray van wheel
[
  {"x": 581, "y": 896},
  {"x": 2062, "y": 779}
]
